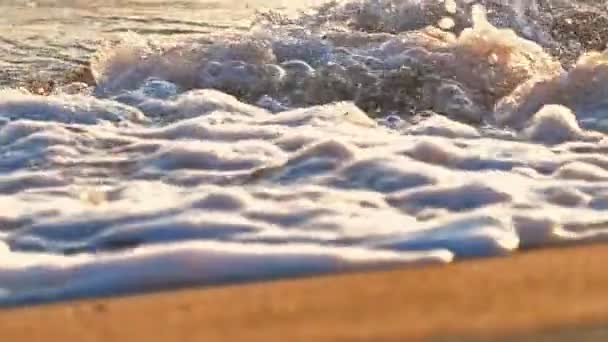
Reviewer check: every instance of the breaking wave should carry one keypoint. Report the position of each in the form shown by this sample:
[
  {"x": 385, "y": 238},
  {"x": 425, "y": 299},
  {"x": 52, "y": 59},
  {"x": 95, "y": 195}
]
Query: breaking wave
[{"x": 359, "y": 134}]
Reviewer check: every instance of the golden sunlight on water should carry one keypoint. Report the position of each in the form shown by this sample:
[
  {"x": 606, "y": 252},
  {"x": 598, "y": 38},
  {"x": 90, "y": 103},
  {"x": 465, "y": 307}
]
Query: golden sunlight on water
[{"x": 48, "y": 37}]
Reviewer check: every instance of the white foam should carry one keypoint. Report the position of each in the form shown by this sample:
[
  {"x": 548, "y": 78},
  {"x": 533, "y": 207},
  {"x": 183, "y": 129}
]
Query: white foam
[
  {"x": 64, "y": 108},
  {"x": 553, "y": 124},
  {"x": 39, "y": 277}
]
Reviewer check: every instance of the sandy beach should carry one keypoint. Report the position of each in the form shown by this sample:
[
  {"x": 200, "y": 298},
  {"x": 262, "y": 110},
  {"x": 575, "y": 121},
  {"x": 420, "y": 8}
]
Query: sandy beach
[{"x": 555, "y": 293}]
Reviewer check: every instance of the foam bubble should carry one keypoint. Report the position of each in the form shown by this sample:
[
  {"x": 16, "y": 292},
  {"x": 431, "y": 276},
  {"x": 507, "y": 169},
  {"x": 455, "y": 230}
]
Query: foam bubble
[
  {"x": 553, "y": 124},
  {"x": 582, "y": 171}
]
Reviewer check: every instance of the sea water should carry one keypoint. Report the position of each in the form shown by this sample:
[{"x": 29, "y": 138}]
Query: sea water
[{"x": 213, "y": 142}]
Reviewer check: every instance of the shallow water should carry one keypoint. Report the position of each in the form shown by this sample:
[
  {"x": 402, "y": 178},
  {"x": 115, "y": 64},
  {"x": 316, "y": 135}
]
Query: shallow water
[
  {"x": 218, "y": 145},
  {"x": 44, "y": 39}
]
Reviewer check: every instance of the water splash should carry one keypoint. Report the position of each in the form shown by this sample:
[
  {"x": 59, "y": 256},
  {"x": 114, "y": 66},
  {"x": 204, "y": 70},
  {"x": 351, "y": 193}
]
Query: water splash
[{"x": 359, "y": 134}]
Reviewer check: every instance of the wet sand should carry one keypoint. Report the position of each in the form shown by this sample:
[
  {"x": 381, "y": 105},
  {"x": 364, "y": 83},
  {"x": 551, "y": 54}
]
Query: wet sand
[{"x": 532, "y": 296}]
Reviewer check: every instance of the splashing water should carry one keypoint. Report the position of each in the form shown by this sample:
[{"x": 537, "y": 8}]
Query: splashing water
[{"x": 354, "y": 135}]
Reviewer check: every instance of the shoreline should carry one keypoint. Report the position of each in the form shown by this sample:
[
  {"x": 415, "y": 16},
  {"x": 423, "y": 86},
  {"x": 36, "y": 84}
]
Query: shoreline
[{"x": 478, "y": 300}]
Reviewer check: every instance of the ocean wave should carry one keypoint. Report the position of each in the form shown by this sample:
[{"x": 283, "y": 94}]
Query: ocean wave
[{"x": 357, "y": 135}]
